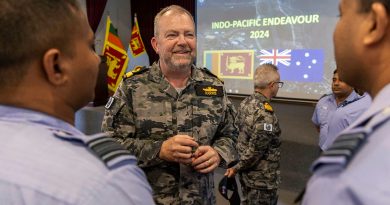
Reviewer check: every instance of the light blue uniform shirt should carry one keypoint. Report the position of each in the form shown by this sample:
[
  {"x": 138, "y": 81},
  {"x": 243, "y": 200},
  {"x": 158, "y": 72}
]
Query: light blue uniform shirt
[
  {"x": 345, "y": 114},
  {"x": 44, "y": 160},
  {"x": 324, "y": 108},
  {"x": 365, "y": 180}
]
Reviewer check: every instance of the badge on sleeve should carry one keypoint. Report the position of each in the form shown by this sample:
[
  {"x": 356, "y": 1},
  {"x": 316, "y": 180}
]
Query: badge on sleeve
[
  {"x": 209, "y": 90},
  {"x": 109, "y": 102},
  {"x": 268, "y": 107},
  {"x": 268, "y": 127}
]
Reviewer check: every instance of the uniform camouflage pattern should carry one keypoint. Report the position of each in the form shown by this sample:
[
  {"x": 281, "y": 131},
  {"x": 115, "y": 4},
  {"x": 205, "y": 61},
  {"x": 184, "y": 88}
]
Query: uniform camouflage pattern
[
  {"x": 147, "y": 110},
  {"x": 258, "y": 145},
  {"x": 259, "y": 196}
]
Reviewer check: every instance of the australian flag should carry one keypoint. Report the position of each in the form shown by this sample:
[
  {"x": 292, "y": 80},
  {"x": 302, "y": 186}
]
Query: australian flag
[{"x": 304, "y": 65}]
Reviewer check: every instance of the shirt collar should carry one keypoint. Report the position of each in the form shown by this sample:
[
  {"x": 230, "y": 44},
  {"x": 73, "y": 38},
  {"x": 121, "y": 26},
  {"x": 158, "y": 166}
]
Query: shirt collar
[
  {"x": 21, "y": 115},
  {"x": 380, "y": 102},
  {"x": 351, "y": 97}
]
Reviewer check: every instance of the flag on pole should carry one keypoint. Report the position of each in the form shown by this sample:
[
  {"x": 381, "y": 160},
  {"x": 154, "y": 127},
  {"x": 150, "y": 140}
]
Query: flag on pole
[
  {"x": 138, "y": 57},
  {"x": 116, "y": 57}
]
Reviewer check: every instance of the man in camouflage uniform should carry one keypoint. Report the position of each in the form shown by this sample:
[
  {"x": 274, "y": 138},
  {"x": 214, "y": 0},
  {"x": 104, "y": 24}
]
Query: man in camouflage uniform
[
  {"x": 259, "y": 141},
  {"x": 175, "y": 117}
]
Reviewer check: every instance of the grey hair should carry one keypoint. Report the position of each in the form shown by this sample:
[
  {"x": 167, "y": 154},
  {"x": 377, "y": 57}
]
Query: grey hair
[{"x": 264, "y": 75}]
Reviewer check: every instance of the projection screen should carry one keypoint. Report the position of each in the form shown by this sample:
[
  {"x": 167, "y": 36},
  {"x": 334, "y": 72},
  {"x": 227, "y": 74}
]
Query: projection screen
[{"x": 236, "y": 36}]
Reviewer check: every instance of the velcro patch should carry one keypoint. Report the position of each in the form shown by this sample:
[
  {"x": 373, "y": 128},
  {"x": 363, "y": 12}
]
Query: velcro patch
[
  {"x": 268, "y": 127},
  {"x": 109, "y": 102},
  {"x": 209, "y": 90}
]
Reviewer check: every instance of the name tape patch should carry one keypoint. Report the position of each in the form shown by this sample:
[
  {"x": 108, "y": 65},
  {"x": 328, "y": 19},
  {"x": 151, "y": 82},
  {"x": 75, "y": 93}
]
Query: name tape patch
[{"x": 209, "y": 90}]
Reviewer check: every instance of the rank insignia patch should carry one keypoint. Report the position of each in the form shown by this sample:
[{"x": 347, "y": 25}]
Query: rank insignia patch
[
  {"x": 209, "y": 90},
  {"x": 268, "y": 107}
]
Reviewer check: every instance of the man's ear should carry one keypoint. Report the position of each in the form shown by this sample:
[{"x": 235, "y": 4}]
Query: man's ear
[
  {"x": 53, "y": 67},
  {"x": 378, "y": 23},
  {"x": 270, "y": 84},
  {"x": 153, "y": 41}
]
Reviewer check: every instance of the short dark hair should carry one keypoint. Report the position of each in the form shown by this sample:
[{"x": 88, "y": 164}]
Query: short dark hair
[
  {"x": 366, "y": 4},
  {"x": 28, "y": 28}
]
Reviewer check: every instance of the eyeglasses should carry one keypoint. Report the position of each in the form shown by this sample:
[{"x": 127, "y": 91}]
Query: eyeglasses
[{"x": 280, "y": 84}]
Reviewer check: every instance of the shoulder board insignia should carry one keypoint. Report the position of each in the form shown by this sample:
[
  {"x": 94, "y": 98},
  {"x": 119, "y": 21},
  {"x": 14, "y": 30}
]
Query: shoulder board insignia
[
  {"x": 268, "y": 107},
  {"x": 109, "y": 151},
  {"x": 210, "y": 73},
  {"x": 209, "y": 90},
  {"x": 136, "y": 70}
]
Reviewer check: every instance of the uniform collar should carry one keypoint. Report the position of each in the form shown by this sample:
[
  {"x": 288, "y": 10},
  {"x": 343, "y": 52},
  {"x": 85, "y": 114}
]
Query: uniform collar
[
  {"x": 261, "y": 96},
  {"x": 380, "y": 102},
  {"x": 351, "y": 97},
  {"x": 21, "y": 115},
  {"x": 157, "y": 76}
]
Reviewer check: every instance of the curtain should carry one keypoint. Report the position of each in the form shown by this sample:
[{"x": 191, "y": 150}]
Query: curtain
[{"x": 95, "y": 10}]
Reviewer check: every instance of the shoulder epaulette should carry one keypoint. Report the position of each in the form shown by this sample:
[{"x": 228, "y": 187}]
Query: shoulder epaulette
[
  {"x": 210, "y": 73},
  {"x": 268, "y": 107},
  {"x": 109, "y": 151},
  {"x": 135, "y": 71}
]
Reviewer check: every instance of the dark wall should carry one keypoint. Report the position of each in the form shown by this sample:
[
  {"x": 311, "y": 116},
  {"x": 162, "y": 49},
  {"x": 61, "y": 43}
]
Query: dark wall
[{"x": 146, "y": 10}]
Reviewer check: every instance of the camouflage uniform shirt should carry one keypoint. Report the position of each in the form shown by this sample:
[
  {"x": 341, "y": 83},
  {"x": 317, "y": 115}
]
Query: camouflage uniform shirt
[
  {"x": 258, "y": 143},
  {"x": 146, "y": 110}
]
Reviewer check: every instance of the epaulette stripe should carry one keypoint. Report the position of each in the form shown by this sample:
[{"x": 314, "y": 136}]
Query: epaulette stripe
[
  {"x": 107, "y": 149},
  {"x": 113, "y": 154},
  {"x": 99, "y": 140},
  {"x": 346, "y": 146}
]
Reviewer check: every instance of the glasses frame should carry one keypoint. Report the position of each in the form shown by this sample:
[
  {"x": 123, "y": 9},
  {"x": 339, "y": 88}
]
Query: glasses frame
[{"x": 279, "y": 83}]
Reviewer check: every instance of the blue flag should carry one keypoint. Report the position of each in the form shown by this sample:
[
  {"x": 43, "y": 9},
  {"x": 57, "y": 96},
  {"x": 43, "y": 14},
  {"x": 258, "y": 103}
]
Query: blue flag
[{"x": 304, "y": 65}]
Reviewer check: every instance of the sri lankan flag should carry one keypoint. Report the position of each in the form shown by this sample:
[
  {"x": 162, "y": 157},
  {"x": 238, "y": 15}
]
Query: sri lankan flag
[
  {"x": 116, "y": 56},
  {"x": 138, "y": 57}
]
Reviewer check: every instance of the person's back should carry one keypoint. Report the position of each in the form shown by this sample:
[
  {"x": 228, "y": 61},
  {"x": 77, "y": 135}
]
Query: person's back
[
  {"x": 45, "y": 161},
  {"x": 259, "y": 141},
  {"x": 48, "y": 70}
]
